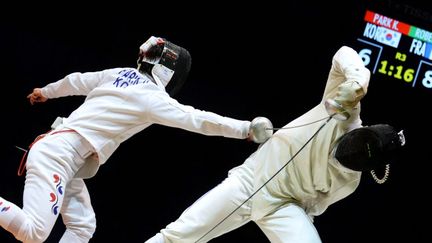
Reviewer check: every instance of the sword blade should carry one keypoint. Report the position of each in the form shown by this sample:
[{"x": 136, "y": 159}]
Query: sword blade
[{"x": 22, "y": 149}]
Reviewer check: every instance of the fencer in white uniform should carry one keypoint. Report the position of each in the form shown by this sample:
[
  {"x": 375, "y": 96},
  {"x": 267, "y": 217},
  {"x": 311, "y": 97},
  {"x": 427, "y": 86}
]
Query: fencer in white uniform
[
  {"x": 288, "y": 180},
  {"x": 119, "y": 103}
]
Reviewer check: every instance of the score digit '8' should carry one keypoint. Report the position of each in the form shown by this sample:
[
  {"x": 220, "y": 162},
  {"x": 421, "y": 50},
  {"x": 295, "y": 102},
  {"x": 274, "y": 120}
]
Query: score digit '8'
[{"x": 427, "y": 80}]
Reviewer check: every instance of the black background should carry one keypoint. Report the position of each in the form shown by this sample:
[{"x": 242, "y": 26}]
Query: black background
[{"x": 257, "y": 59}]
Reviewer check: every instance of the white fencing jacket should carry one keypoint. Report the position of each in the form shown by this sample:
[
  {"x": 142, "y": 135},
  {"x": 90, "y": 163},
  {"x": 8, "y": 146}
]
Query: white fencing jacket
[
  {"x": 121, "y": 102},
  {"x": 314, "y": 179}
]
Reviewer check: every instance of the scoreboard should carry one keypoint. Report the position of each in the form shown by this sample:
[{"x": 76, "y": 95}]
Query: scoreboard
[{"x": 396, "y": 49}]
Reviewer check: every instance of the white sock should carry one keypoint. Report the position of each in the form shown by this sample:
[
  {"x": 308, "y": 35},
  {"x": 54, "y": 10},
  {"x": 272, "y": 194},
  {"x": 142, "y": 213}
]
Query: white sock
[
  {"x": 69, "y": 237},
  {"x": 158, "y": 238}
]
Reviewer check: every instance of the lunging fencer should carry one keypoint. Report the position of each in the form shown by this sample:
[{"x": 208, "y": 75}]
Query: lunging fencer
[
  {"x": 119, "y": 103},
  {"x": 306, "y": 166}
]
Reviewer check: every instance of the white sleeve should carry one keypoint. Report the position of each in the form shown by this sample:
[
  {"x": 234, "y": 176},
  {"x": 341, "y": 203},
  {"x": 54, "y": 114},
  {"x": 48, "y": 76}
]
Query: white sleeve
[
  {"x": 346, "y": 66},
  {"x": 167, "y": 111},
  {"x": 73, "y": 84}
]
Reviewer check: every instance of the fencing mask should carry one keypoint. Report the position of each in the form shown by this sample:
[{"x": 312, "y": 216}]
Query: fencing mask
[
  {"x": 368, "y": 148},
  {"x": 168, "y": 63}
]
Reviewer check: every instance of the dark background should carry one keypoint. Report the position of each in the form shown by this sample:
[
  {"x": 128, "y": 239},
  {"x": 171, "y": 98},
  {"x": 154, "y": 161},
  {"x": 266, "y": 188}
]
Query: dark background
[{"x": 258, "y": 59}]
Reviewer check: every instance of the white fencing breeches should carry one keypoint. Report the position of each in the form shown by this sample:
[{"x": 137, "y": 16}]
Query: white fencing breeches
[
  {"x": 77, "y": 213},
  {"x": 288, "y": 224},
  {"x": 51, "y": 164}
]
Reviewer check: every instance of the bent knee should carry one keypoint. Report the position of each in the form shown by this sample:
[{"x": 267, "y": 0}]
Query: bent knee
[
  {"x": 83, "y": 230},
  {"x": 31, "y": 233}
]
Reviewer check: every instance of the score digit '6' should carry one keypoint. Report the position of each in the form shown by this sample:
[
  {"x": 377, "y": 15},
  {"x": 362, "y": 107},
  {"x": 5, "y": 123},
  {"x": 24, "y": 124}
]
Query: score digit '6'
[{"x": 365, "y": 56}]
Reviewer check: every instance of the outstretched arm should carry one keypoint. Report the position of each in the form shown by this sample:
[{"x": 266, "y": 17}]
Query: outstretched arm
[
  {"x": 74, "y": 84},
  {"x": 169, "y": 112}
]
